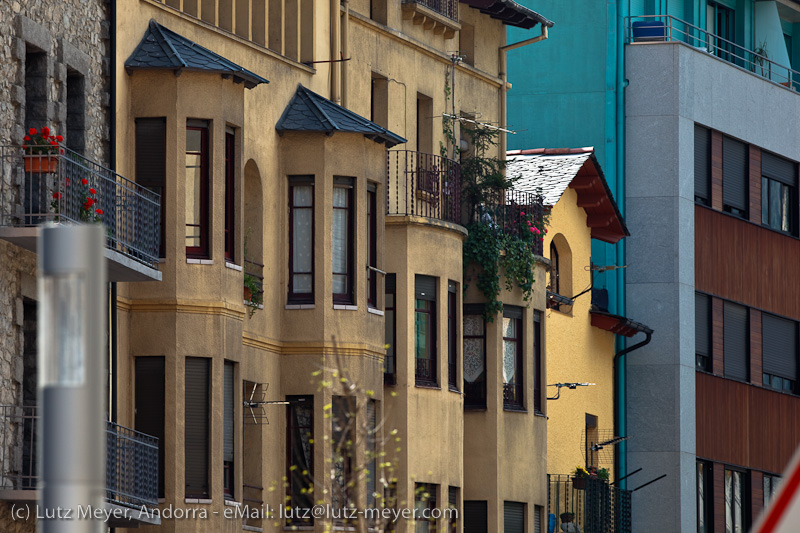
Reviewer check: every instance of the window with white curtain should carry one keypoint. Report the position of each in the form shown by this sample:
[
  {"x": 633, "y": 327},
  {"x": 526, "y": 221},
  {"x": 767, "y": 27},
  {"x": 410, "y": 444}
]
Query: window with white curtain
[
  {"x": 301, "y": 239},
  {"x": 342, "y": 229}
]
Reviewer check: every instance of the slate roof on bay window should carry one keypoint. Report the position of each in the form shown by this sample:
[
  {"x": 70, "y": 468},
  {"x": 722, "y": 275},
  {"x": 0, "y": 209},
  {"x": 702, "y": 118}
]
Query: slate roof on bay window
[
  {"x": 161, "y": 48},
  {"x": 551, "y": 171},
  {"x": 509, "y": 12},
  {"x": 308, "y": 111}
]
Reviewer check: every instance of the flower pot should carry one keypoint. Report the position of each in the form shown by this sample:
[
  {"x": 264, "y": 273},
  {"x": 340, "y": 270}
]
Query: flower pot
[
  {"x": 248, "y": 294},
  {"x": 41, "y": 164},
  {"x": 579, "y": 483}
]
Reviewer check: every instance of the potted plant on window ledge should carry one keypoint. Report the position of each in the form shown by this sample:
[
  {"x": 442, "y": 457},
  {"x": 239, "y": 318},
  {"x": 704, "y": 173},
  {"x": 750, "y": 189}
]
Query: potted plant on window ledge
[{"x": 253, "y": 294}]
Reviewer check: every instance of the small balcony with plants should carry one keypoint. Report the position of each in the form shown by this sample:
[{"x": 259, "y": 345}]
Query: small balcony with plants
[
  {"x": 423, "y": 185},
  {"x": 44, "y": 181}
]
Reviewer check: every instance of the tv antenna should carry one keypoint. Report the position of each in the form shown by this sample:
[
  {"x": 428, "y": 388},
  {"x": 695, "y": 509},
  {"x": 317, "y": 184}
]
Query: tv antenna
[{"x": 257, "y": 401}]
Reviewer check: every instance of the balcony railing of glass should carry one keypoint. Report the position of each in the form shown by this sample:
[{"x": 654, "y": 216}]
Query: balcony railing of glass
[
  {"x": 659, "y": 28},
  {"x": 66, "y": 187}
]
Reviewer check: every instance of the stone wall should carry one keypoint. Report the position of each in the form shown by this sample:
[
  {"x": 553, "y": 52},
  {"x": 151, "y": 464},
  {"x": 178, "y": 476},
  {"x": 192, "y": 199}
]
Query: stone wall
[{"x": 53, "y": 72}]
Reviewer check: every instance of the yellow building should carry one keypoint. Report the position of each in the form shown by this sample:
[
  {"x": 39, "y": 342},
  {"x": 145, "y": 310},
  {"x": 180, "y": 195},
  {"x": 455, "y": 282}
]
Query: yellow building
[{"x": 580, "y": 330}]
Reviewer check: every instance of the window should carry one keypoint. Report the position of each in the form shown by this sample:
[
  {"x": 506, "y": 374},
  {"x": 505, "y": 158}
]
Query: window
[
  {"x": 379, "y": 99},
  {"x": 391, "y": 340},
  {"x": 343, "y": 238},
  {"x": 737, "y": 501},
  {"x": 475, "y": 516},
  {"x": 452, "y": 335},
  {"x": 372, "y": 245},
  {"x": 300, "y": 461},
  {"x": 252, "y": 451},
  {"x": 538, "y": 511},
  {"x": 778, "y": 193},
  {"x": 537, "y": 362},
  {"x": 342, "y": 449},
  {"x": 452, "y": 504},
  {"x": 705, "y": 498},
  {"x": 554, "y": 270},
  {"x": 736, "y": 348},
  {"x": 770, "y": 487},
  {"x": 474, "y": 351},
  {"x": 230, "y": 193},
  {"x": 228, "y": 431},
  {"x": 424, "y": 124},
  {"x": 702, "y": 165},
  {"x": 779, "y": 353},
  {"x": 512, "y": 357},
  {"x": 151, "y": 165},
  {"x": 196, "y": 427},
  {"x": 372, "y": 453},
  {"x": 424, "y": 504},
  {"x": 513, "y": 517},
  {"x": 196, "y": 186},
  {"x": 734, "y": 177},
  {"x": 76, "y": 111},
  {"x": 720, "y": 22},
  {"x": 301, "y": 239},
  {"x": 560, "y": 271},
  {"x": 425, "y": 330},
  {"x": 702, "y": 332},
  {"x": 466, "y": 43},
  {"x": 378, "y": 11},
  {"x": 149, "y": 394},
  {"x": 591, "y": 432}
]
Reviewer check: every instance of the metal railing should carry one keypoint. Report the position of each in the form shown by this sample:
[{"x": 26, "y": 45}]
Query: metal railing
[
  {"x": 475, "y": 395},
  {"x": 67, "y": 187},
  {"x": 424, "y": 185},
  {"x": 131, "y": 458},
  {"x": 425, "y": 371},
  {"x": 510, "y": 211},
  {"x": 654, "y": 28},
  {"x": 512, "y": 395},
  {"x": 597, "y": 506},
  {"x": 448, "y": 8},
  {"x": 253, "y": 502},
  {"x": 389, "y": 376}
]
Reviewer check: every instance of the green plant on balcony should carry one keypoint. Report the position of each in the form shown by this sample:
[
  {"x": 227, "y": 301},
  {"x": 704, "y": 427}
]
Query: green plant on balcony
[
  {"x": 253, "y": 290},
  {"x": 89, "y": 210}
]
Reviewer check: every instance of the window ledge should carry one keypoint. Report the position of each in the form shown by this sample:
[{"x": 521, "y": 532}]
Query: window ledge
[
  {"x": 539, "y": 413},
  {"x": 299, "y": 306},
  {"x": 427, "y": 386},
  {"x": 192, "y": 261},
  {"x": 198, "y": 500},
  {"x": 375, "y": 311},
  {"x": 233, "y": 266},
  {"x": 344, "y": 307},
  {"x": 247, "y": 303},
  {"x": 233, "y": 503},
  {"x": 252, "y": 528},
  {"x": 514, "y": 409},
  {"x": 451, "y": 389},
  {"x": 475, "y": 408}
]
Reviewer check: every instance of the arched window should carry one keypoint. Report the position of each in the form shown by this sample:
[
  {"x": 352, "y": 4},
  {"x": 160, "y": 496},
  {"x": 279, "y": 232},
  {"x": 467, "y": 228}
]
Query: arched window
[{"x": 561, "y": 267}]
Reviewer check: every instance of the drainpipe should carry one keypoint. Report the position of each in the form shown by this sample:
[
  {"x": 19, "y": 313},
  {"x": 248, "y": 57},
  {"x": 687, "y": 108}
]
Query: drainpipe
[
  {"x": 336, "y": 40},
  {"x": 112, "y": 157},
  {"x": 504, "y": 84},
  {"x": 345, "y": 49},
  {"x": 620, "y": 425}
]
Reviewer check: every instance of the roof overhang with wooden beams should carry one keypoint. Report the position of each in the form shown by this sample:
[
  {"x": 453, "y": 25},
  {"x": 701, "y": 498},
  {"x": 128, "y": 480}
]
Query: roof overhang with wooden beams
[
  {"x": 617, "y": 324},
  {"x": 552, "y": 170}
]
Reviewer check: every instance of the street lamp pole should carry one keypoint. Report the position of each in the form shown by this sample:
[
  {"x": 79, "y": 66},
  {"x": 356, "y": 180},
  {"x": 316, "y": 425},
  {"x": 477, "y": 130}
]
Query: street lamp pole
[{"x": 72, "y": 326}]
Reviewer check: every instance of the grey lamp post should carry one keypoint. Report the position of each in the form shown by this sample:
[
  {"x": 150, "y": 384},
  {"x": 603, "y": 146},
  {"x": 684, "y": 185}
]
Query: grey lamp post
[{"x": 72, "y": 326}]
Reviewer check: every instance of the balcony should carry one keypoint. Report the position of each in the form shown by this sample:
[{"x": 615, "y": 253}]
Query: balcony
[
  {"x": 597, "y": 507},
  {"x": 441, "y": 16},
  {"x": 509, "y": 210},
  {"x": 131, "y": 467},
  {"x": 666, "y": 28},
  {"x": 423, "y": 185},
  {"x": 67, "y": 188}
]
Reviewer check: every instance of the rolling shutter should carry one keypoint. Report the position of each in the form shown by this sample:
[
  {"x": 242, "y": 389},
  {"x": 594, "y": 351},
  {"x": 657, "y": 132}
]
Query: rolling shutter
[
  {"x": 735, "y": 342},
  {"x": 702, "y": 324},
  {"x": 779, "y": 345},
  {"x": 425, "y": 288},
  {"x": 512, "y": 311},
  {"x": 475, "y": 520},
  {"x": 779, "y": 169},
  {"x": 228, "y": 416},
  {"x": 151, "y": 162},
  {"x": 734, "y": 174},
  {"x": 149, "y": 406},
  {"x": 537, "y": 519},
  {"x": 196, "y": 430},
  {"x": 702, "y": 162},
  {"x": 514, "y": 517},
  {"x": 390, "y": 284}
]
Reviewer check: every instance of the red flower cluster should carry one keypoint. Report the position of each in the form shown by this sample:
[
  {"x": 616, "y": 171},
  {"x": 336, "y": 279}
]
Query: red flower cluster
[{"x": 42, "y": 142}]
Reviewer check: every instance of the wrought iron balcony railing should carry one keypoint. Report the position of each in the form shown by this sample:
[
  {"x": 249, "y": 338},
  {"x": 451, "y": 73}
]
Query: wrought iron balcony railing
[
  {"x": 512, "y": 396},
  {"x": 69, "y": 188},
  {"x": 509, "y": 211},
  {"x": 425, "y": 185},
  {"x": 447, "y": 8},
  {"x": 425, "y": 371},
  {"x": 655, "y": 28},
  {"x": 131, "y": 459},
  {"x": 596, "y": 506}
]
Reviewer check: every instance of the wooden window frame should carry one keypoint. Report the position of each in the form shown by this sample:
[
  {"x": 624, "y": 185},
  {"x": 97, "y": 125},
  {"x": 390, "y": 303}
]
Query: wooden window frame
[
  {"x": 372, "y": 246},
  {"x": 291, "y": 473},
  {"x": 452, "y": 335},
  {"x": 537, "y": 362},
  {"x": 429, "y": 310},
  {"x": 518, "y": 383},
  {"x": 347, "y": 297},
  {"x": 203, "y": 491},
  {"x": 390, "y": 378},
  {"x": 301, "y": 297},
  {"x": 201, "y": 251},
  {"x": 230, "y": 194},
  {"x": 469, "y": 400}
]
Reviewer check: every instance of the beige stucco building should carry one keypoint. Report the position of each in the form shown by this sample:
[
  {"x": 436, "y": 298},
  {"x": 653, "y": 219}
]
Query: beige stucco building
[{"x": 292, "y": 251}]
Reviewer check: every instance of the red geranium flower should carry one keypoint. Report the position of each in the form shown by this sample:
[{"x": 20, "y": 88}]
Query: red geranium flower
[
  {"x": 89, "y": 202},
  {"x": 92, "y": 191},
  {"x": 46, "y": 131},
  {"x": 59, "y": 138},
  {"x": 26, "y": 138},
  {"x": 56, "y": 195},
  {"x": 84, "y": 181},
  {"x": 99, "y": 211},
  {"x": 32, "y": 131}
]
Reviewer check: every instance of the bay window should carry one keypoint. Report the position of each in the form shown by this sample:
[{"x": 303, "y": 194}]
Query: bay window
[
  {"x": 301, "y": 239},
  {"x": 512, "y": 357},
  {"x": 343, "y": 238},
  {"x": 425, "y": 330},
  {"x": 196, "y": 186}
]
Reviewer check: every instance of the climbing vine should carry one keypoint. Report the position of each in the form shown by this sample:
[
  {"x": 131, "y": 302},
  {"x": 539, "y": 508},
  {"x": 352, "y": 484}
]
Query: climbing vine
[{"x": 502, "y": 233}]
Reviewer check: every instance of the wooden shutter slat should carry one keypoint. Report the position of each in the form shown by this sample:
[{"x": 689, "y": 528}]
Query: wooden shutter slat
[
  {"x": 702, "y": 161},
  {"x": 229, "y": 413},
  {"x": 512, "y": 311},
  {"x": 735, "y": 347},
  {"x": 149, "y": 405},
  {"x": 151, "y": 151},
  {"x": 778, "y": 168},
  {"x": 513, "y": 517},
  {"x": 734, "y": 173},
  {"x": 779, "y": 346},
  {"x": 425, "y": 288}
]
